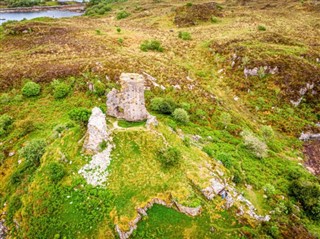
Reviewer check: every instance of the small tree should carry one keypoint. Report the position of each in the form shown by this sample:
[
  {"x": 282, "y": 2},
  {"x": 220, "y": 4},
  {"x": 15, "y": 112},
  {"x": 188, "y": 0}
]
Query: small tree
[
  {"x": 181, "y": 115},
  {"x": 31, "y": 89}
]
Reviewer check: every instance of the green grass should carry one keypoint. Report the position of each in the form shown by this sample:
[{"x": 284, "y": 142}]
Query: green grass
[{"x": 127, "y": 124}]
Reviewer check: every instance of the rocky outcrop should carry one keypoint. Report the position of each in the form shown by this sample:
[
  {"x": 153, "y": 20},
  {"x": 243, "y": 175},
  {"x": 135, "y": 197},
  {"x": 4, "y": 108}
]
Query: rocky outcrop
[
  {"x": 96, "y": 132},
  {"x": 232, "y": 197},
  {"x": 143, "y": 212},
  {"x": 129, "y": 103},
  {"x": 255, "y": 71},
  {"x": 309, "y": 136},
  {"x": 302, "y": 92}
]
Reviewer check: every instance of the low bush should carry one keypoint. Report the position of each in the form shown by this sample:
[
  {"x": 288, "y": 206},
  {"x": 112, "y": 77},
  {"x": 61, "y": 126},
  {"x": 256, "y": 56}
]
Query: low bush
[
  {"x": 267, "y": 132},
  {"x": 258, "y": 147},
  {"x": 269, "y": 190},
  {"x": 169, "y": 157},
  {"x": 5, "y": 124},
  {"x": 164, "y": 106},
  {"x": 184, "y": 35},
  {"x": 308, "y": 194},
  {"x": 262, "y": 28},
  {"x": 151, "y": 45},
  {"x": 81, "y": 115},
  {"x": 225, "y": 159},
  {"x": 60, "y": 89},
  {"x": 31, "y": 89},
  {"x": 99, "y": 9},
  {"x": 181, "y": 115},
  {"x": 55, "y": 171},
  {"x": 99, "y": 88},
  {"x": 122, "y": 15},
  {"x": 33, "y": 151}
]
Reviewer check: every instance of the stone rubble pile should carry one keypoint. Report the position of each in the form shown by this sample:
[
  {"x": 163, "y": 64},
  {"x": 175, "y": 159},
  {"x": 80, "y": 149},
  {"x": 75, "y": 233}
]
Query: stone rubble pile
[{"x": 95, "y": 172}]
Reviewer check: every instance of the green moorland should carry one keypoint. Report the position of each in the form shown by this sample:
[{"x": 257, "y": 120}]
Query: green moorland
[{"x": 246, "y": 128}]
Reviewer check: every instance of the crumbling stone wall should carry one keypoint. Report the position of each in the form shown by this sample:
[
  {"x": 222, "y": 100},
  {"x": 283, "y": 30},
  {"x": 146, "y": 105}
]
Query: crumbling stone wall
[{"x": 129, "y": 102}]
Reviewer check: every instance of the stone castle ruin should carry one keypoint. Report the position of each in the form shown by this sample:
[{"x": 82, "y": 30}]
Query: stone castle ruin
[{"x": 129, "y": 102}]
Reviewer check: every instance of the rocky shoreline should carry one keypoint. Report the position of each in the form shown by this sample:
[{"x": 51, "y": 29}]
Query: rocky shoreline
[{"x": 79, "y": 7}]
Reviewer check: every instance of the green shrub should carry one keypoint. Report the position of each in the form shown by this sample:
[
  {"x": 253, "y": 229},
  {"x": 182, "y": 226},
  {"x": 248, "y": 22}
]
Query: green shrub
[
  {"x": 308, "y": 194},
  {"x": 81, "y": 115},
  {"x": 99, "y": 9},
  {"x": 180, "y": 115},
  {"x": 60, "y": 89},
  {"x": 33, "y": 151},
  {"x": 258, "y": 147},
  {"x": 120, "y": 41},
  {"x": 208, "y": 150},
  {"x": 103, "y": 145},
  {"x": 269, "y": 190},
  {"x": 262, "y": 28},
  {"x": 184, "y": 35},
  {"x": 55, "y": 171},
  {"x": 225, "y": 159},
  {"x": 169, "y": 157},
  {"x": 151, "y": 45},
  {"x": 186, "y": 106},
  {"x": 25, "y": 127},
  {"x": 99, "y": 88},
  {"x": 267, "y": 132},
  {"x": 122, "y": 14},
  {"x": 31, "y": 89},
  {"x": 118, "y": 29},
  {"x": 5, "y": 98},
  {"x": 155, "y": 103},
  {"x": 214, "y": 20},
  {"x": 164, "y": 106},
  {"x": 5, "y": 124},
  {"x": 189, "y": 4}
]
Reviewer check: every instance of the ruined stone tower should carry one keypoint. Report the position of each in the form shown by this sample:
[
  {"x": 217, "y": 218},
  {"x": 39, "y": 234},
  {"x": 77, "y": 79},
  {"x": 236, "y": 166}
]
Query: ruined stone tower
[{"x": 128, "y": 103}]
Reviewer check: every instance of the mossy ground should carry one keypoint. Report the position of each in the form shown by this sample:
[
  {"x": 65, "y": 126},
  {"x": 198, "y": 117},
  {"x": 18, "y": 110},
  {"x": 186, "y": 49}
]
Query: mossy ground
[{"x": 87, "y": 48}]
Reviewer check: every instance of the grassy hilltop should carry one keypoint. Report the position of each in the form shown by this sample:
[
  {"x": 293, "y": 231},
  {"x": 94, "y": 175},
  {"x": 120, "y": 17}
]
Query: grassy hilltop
[{"x": 236, "y": 68}]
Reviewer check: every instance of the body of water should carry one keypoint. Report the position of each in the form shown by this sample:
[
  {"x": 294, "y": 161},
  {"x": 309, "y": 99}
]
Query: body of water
[{"x": 30, "y": 15}]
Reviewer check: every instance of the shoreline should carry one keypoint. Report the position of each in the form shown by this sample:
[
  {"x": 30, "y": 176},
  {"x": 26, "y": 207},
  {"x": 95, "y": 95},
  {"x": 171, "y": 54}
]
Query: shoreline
[{"x": 79, "y": 7}]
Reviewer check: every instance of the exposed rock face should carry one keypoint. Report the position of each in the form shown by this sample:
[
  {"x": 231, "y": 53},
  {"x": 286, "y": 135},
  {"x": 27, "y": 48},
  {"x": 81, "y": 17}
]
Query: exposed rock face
[
  {"x": 129, "y": 103},
  {"x": 3, "y": 230},
  {"x": 97, "y": 131}
]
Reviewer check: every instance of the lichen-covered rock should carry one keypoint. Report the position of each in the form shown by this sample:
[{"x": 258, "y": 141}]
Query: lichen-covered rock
[
  {"x": 3, "y": 230},
  {"x": 129, "y": 103},
  {"x": 96, "y": 132}
]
